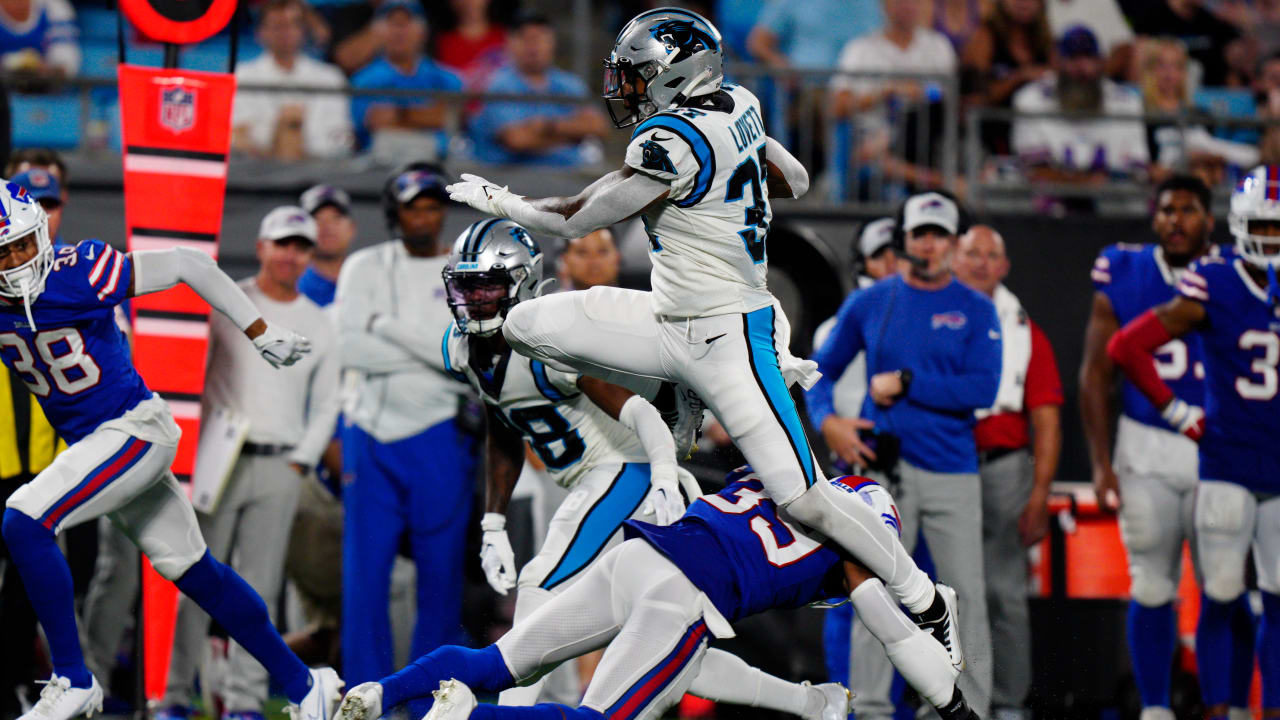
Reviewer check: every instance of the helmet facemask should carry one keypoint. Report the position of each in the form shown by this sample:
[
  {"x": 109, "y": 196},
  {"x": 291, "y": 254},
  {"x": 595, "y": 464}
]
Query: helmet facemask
[
  {"x": 480, "y": 300},
  {"x": 626, "y": 105},
  {"x": 27, "y": 280},
  {"x": 1260, "y": 249}
]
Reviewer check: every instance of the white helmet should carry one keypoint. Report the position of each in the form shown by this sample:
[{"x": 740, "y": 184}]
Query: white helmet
[
  {"x": 21, "y": 217},
  {"x": 1256, "y": 198},
  {"x": 677, "y": 53},
  {"x": 873, "y": 494},
  {"x": 494, "y": 264}
]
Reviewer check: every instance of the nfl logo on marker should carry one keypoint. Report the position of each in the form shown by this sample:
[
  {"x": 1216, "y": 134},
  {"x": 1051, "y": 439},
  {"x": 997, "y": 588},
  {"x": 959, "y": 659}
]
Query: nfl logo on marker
[{"x": 177, "y": 109}]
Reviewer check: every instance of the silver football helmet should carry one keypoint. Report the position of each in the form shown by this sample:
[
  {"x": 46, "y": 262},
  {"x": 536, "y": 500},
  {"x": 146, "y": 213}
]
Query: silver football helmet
[
  {"x": 494, "y": 264},
  {"x": 1257, "y": 200},
  {"x": 22, "y": 218},
  {"x": 660, "y": 59}
]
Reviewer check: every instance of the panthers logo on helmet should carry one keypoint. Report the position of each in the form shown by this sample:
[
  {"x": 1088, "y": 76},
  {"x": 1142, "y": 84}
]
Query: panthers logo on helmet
[
  {"x": 685, "y": 35},
  {"x": 656, "y": 158},
  {"x": 523, "y": 237}
]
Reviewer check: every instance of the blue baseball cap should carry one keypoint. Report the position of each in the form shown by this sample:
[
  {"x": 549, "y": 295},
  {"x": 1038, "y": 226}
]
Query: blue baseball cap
[
  {"x": 1078, "y": 41},
  {"x": 39, "y": 183}
]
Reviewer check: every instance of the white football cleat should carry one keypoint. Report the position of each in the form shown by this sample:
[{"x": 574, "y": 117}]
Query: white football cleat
[
  {"x": 688, "y": 423},
  {"x": 941, "y": 623},
  {"x": 363, "y": 702},
  {"x": 59, "y": 701},
  {"x": 454, "y": 701},
  {"x": 322, "y": 699},
  {"x": 835, "y": 701}
]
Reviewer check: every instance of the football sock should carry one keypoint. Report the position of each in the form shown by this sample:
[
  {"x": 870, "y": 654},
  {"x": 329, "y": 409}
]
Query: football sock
[
  {"x": 1213, "y": 650},
  {"x": 1244, "y": 637},
  {"x": 482, "y": 670},
  {"x": 837, "y": 626},
  {"x": 1269, "y": 651},
  {"x": 229, "y": 600},
  {"x": 1152, "y": 640},
  {"x": 921, "y": 661},
  {"x": 543, "y": 711},
  {"x": 726, "y": 678},
  {"x": 47, "y": 578}
]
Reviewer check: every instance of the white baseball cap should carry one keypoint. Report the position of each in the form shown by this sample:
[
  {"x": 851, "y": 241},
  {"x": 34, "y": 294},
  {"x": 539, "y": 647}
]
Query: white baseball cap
[
  {"x": 875, "y": 236},
  {"x": 930, "y": 209},
  {"x": 287, "y": 221}
]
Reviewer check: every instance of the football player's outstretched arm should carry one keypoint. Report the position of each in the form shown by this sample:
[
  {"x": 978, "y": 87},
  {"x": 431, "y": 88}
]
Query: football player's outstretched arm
[
  {"x": 611, "y": 199},
  {"x": 156, "y": 270},
  {"x": 637, "y": 415},
  {"x": 1097, "y": 376},
  {"x": 503, "y": 460},
  {"x": 1133, "y": 350},
  {"x": 786, "y": 176}
]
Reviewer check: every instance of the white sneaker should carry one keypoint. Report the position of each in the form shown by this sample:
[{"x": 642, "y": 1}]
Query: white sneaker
[
  {"x": 363, "y": 702},
  {"x": 688, "y": 424},
  {"x": 322, "y": 699},
  {"x": 454, "y": 701},
  {"x": 59, "y": 701},
  {"x": 1156, "y": 712},
  {"x": 835, "y": 701},
  {"x": 943, "y": 625}
]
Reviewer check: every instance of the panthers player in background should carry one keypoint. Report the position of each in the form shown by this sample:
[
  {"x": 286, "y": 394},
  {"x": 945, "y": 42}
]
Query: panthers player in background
[
  {"x": 604, "y": 443},
  {"x": 1233, "y": 304},
  {"x": 657, "y": 601},
  {"x": 699, "y": 170},
  {"x": 59, "y": 335},
  {"x": 1154, "y": 466}
]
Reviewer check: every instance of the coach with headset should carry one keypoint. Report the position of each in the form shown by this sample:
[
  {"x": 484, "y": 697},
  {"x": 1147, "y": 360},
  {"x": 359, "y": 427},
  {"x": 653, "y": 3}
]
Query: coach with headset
[
  {"x": 407, "y": 467},
  {"x": 933, "y": 357}
]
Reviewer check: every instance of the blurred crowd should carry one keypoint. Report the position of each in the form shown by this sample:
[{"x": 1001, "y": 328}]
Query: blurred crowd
[{"x": 1070, "y": 94}]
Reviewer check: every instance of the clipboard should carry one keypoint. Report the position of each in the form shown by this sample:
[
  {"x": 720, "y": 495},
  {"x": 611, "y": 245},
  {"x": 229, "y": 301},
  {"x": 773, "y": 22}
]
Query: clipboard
[{"x": 222, "y": 434}]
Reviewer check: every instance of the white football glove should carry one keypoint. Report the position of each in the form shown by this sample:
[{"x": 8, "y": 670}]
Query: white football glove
[
  {"x": 482, "y": 195},
  {"x": 281, "y": 346},
  {"x": 496, "y": 556},
  {"x": 664, "y": 501}
]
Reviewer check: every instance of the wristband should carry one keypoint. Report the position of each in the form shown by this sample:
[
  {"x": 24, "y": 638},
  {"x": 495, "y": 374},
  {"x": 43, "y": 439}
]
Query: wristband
[{"x": 493, "y": 522}]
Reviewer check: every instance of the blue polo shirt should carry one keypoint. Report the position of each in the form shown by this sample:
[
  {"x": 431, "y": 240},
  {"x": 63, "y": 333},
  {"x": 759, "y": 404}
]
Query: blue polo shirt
[
  {"x": 429, "y": 75},
  {"x": 950, "y": 340},
  {"x": 318, "y": 288},
  {"x": 494, "y": 116}
]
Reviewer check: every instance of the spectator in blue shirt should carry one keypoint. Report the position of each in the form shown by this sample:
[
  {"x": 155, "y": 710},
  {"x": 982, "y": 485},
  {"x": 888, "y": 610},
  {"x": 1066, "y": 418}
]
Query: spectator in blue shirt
[
  {"x": 543, "y": 133},
  {"x": 403, "y": 66},
  {"x": 810, "y": 34},
  {"x": 933, "y": 355}
]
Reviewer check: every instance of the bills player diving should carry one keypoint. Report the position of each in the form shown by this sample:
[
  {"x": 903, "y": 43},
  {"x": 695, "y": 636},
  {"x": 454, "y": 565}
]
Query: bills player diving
[
  {"x": 1154, "y": 465},
  {"x": 699, "y": 170},
  {"x": 605, "y": 444},
  {"x": 1233, "y": 304},
  {"x": 59, "y": 335},
  {"x": 656, "y": 602}
]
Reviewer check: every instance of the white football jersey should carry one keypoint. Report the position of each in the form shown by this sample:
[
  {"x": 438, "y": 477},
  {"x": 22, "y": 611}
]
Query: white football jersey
[
  {"x": 569, "y": 432},
  {"x": 707, "y": 239}
]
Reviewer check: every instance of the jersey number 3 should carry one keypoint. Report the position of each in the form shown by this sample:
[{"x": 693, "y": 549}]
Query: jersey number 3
[
  {"x": 750, "y": 172},
  {"x": 62, "y": 350}
]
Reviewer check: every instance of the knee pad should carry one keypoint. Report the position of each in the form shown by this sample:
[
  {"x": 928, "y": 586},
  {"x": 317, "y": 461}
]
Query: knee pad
[
  {"x": 1150, "y": 589},
  {"x": 21, "y": 529},
  {"x": 171, "y": 563}
]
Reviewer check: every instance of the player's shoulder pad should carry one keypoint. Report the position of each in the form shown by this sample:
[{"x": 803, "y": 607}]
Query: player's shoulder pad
[
  {"x": 1112, "y": 260},
  {"x": 554, "y": 385},
  {"x": 669, "y": 146},
  {"x": 455, "y": 351}
]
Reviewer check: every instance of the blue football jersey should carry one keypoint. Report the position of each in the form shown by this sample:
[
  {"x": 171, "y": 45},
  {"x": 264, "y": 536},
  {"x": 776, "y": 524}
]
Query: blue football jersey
[
  {"x": 75, "y": 361},
  {"x": 735, "y": 548},
  {"x": 1135, "y": 278},
  {"x": 1241, "y": 338}
]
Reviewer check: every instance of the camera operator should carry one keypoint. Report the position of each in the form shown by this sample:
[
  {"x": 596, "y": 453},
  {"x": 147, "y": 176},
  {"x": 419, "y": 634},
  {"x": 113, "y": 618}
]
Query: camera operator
[{"x": 933, "y": 357}]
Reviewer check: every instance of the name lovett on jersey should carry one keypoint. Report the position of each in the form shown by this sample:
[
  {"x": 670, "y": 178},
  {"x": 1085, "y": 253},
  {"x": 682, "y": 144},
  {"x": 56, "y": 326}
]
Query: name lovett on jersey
[{"x": 707, "y": 240}]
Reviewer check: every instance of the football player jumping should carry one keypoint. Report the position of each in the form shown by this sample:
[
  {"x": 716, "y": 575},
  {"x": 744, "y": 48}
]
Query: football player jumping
[
  {"x": 59, "y": 335},
  {"x": 1234, "y": 305},
  {"x": 700, "y": 170},
  {"x": 656, "y": 601},
  {"x": 605, "y": 444}
]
